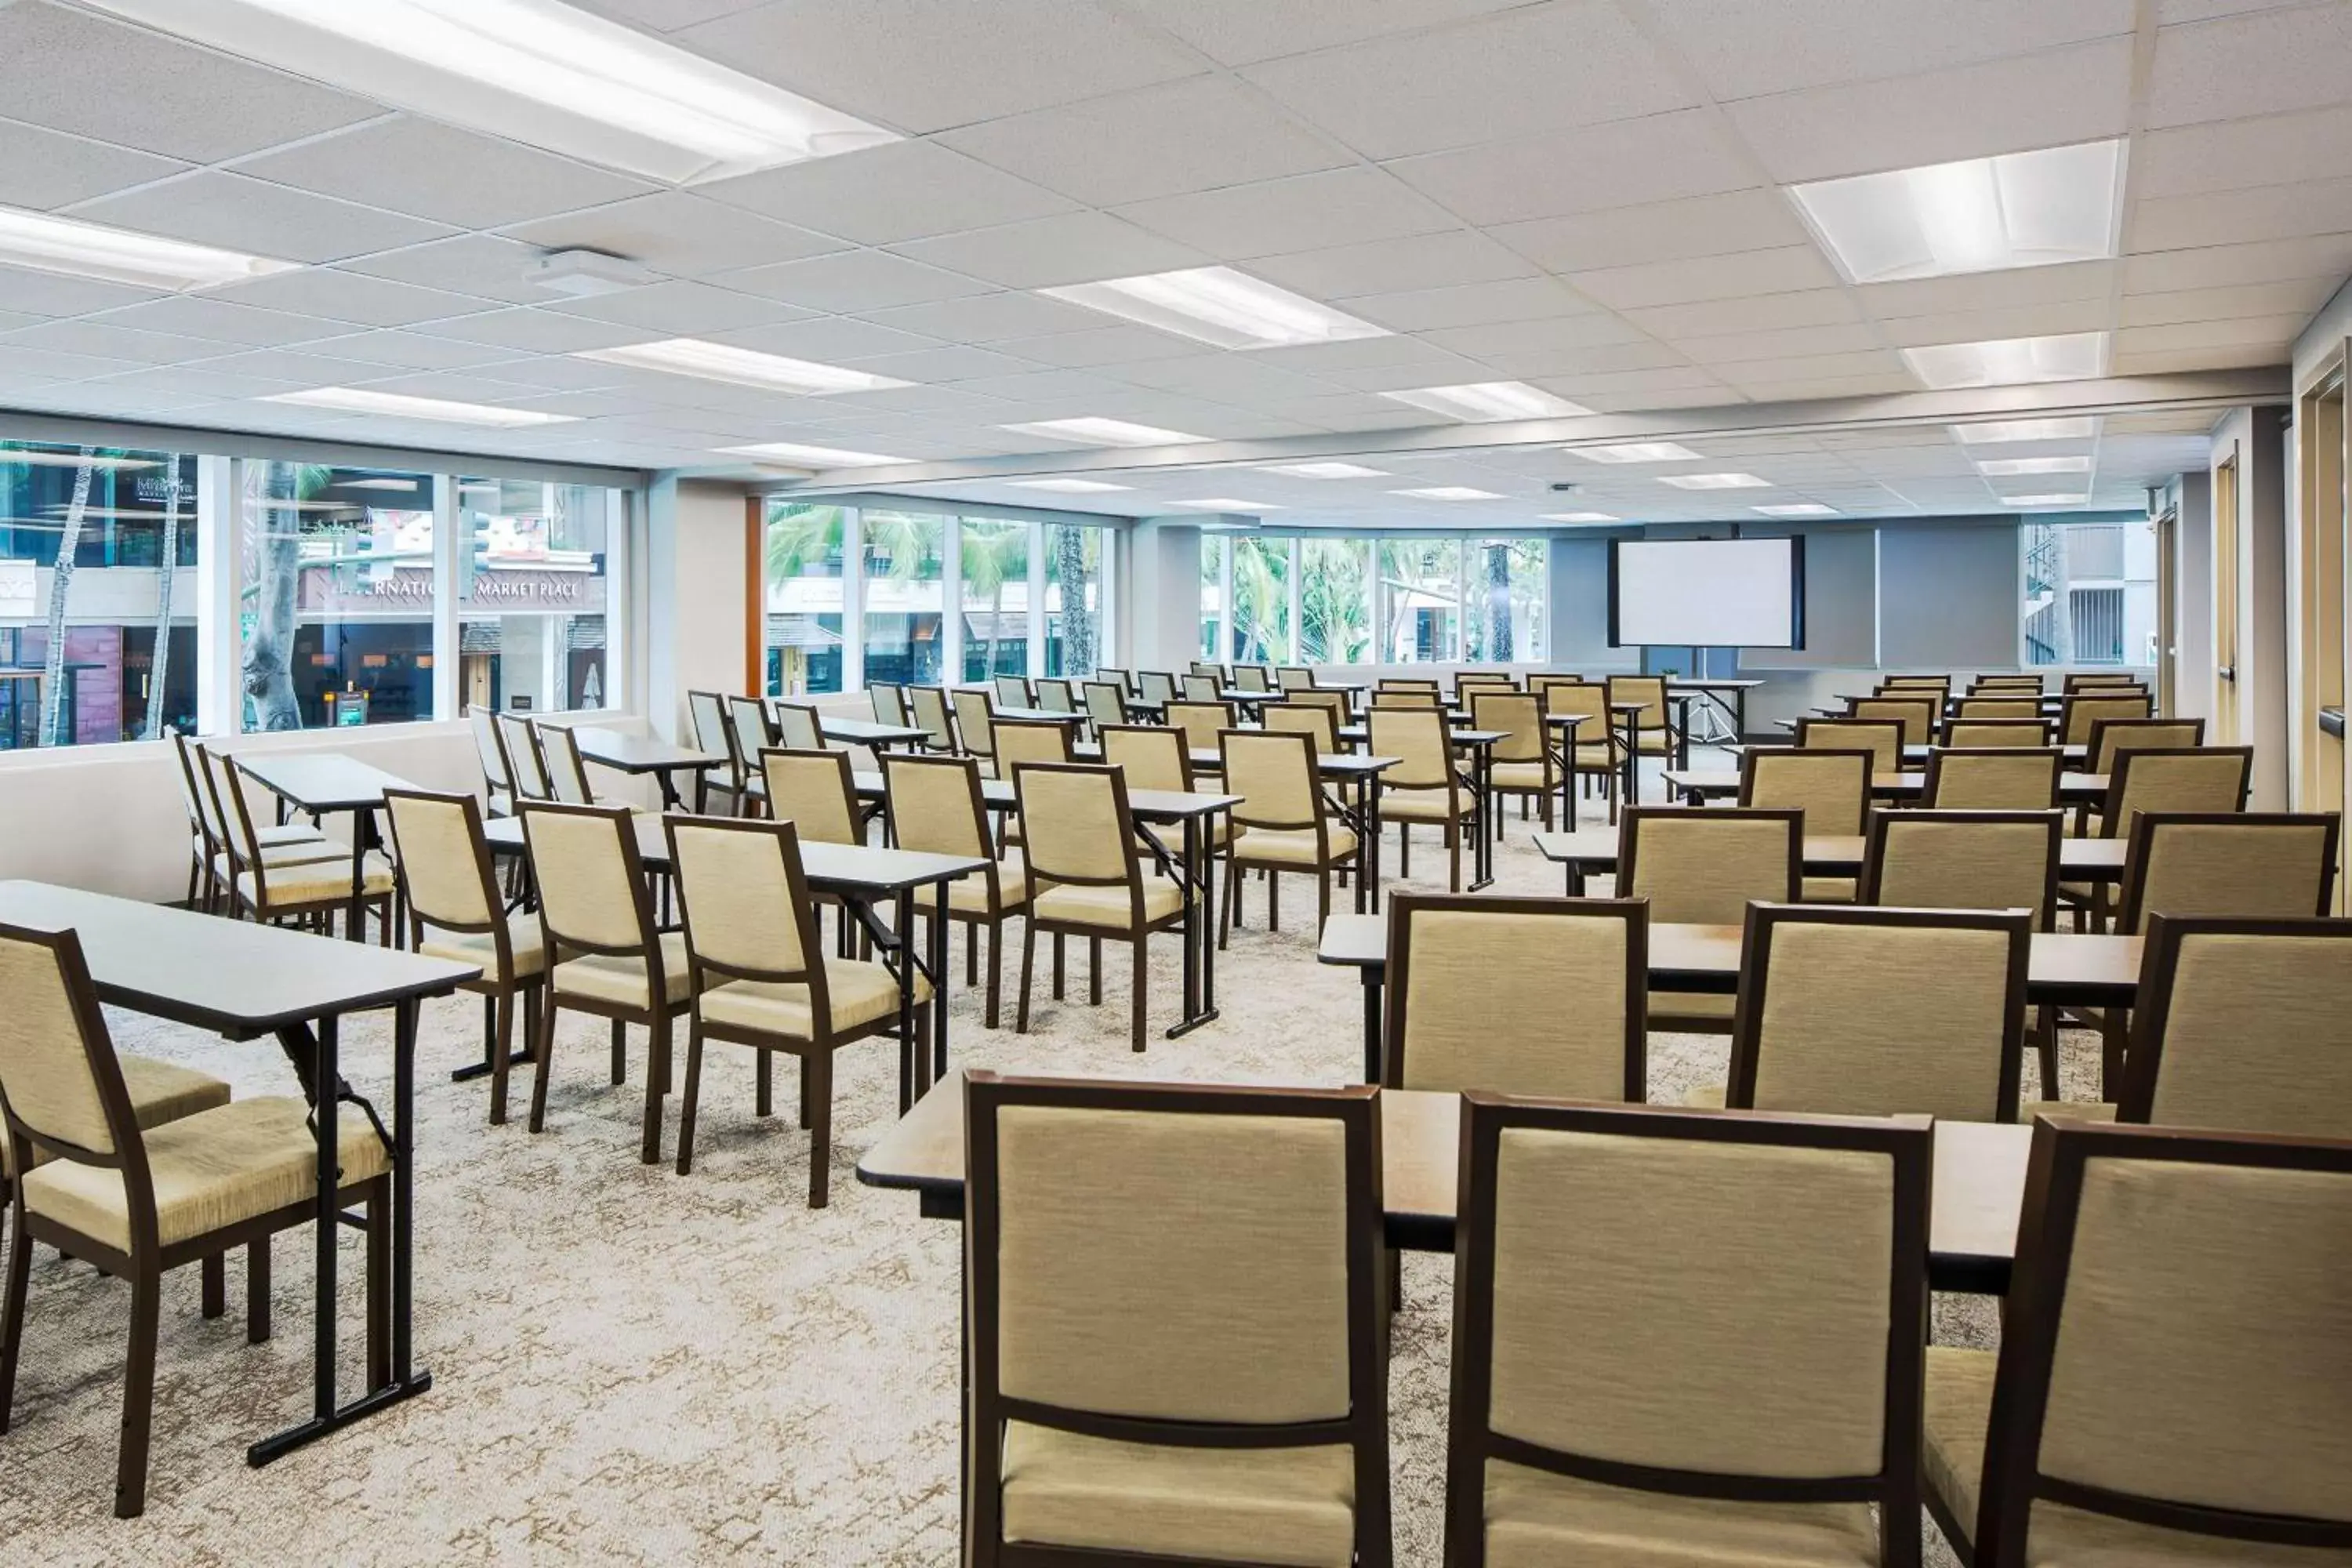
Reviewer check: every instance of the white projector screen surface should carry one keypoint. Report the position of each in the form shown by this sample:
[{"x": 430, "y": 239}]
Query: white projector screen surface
[{"x": 1707, "y": 593}]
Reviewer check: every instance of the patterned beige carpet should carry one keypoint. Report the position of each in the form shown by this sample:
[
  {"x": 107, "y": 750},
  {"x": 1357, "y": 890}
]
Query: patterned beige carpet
[{"x": 632, "y": 1366}]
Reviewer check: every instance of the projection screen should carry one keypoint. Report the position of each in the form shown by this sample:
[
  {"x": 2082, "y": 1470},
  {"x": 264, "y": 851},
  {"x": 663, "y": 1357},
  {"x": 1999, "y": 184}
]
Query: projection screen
[{"x": 1707, "y": 593}]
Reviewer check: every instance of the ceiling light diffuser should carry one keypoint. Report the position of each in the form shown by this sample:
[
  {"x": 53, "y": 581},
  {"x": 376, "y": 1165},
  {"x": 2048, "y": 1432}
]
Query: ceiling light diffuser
[
  {"x": 741, "y": 367},
  {"x": 1228, "y": 504},
  {"x": 793, "y": 452},
  {"x": 1714, "y": 481},
  {"x": 1981, "y": 214},
  {"x": 1637, "y": 452},
  {"x": 1092, "y": 431},
  {"x": 1796, "y": 509},
  {"x": 1328, "y": 471},
  {"x": 1483, "y": 402},
  {"x": 358, "y": 400},
  {"x": 2009, "y": 361},
  {"x": 2057, "y": 498},
  {"x": 1068, "y": 487},
  {"x": 1448, "y": 493},
  {"x": 1579, "y": 517},
  {"x": 1994, "y": 432},
  {"x": 1218, "y": 305},
  {"x": 2005, "y": 467},
  {"x": 49, "y": 244},
  {"x": 536, "y": 71}
]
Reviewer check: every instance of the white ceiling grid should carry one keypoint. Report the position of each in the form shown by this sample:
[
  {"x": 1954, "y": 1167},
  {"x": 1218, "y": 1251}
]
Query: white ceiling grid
[{"x": 1579, "y": 194}]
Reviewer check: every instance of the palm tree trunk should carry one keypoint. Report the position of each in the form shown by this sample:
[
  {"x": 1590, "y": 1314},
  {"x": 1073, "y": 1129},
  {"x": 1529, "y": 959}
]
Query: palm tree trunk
[
  {"x": 1498, "y": 602},
  {"x": 53, "y": 672},
  {"x": 270, "y": 651},
  {"x": 1078, "y": 616},
  {"x": 159, "y": 664}
]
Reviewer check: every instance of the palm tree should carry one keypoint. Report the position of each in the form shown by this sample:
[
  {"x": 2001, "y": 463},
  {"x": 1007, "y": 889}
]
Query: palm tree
[
  {"x": 1498, "y": 601},
  {"x": 53, "y": 672},
  {"x": 159, "y": 670},
  {"x": 274, "y": 524},
  {"x": 993, "y": 554},
  {"x": 1075, "y": 557},
  {"x": 1260, "y": 585}
]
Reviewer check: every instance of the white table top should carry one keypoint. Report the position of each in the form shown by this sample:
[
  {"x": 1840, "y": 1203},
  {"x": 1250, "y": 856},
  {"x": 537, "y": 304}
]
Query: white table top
[{"x": 323, "y": 781}]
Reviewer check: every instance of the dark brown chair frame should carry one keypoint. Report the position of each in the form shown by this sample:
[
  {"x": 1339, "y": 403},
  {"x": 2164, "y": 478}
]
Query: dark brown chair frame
[
  {"x": 2159, "y": 969},
  {"x": 1935, "y": 779}
]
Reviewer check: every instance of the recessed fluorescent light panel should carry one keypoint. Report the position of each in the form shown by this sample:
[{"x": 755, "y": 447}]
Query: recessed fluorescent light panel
[
  {"x": 1485, "y": 401},
  {"x": 793, "y": 452},
  {"x": 1714, "y": 481},
  {"x": 2009, "y": 361},
  {"x": 356, "y": 400},
  {"x": 1448, "y": 493},
  {"x": 1218, "y": 305},
  {"x": 1579, "y": 517},
  {"x": 536, "y": 71},
  {"x": 2005, "y": 467},
  {"x": 1796, "y": 509},
  {"x": 1981, "y": 214},
  {"x": 2056, "y": 498},
  {"x": 1327, "y": 470},
  {"x": 1996, "y": 432},
  {"x": 1227, "y": 503},
  {"x": 1637, "y": 452},
  {"x": 79, "y": 249},
  {"x": 1068, "y": 487},
  {"x": 741, "y": 367},
  {"x": 1091, "y": 431}
]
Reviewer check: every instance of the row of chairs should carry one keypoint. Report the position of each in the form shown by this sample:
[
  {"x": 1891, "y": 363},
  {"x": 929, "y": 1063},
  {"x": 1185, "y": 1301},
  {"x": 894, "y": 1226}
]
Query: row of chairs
[{"x": 1679, "y": 1336}]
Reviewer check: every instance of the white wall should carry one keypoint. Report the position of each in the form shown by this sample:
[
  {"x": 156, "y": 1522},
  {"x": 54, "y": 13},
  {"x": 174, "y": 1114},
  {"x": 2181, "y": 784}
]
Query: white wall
[
  {"x": 1160, "y": 620},
  {"x": 2256, "y": 435},
  {"x": 694, "y": 588},
  {"x": 2192, "y": 599}
]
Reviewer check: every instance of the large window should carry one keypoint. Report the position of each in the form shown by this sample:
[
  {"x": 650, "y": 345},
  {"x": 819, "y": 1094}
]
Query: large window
[
  {"x": 2090, "y": 590},
  {"x": 1077, "y": 598},
  {"x": 995, "y": 555},
  {"x": 806, "y": 597},
  {"x": 904, "y": 624},
  {"x": 1261, "y": 579},
  {"x": 1419, "y": 617},
  {"x": 1334, "y": 601},
  {"x": 531, "y": 595},
  {"x": 1503, "y": 601}
]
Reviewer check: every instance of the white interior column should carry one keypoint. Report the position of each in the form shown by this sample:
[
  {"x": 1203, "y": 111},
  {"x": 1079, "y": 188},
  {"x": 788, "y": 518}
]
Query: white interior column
[
  {"x": 219, "y": 682},
  {"x": 694, "y": 588}
]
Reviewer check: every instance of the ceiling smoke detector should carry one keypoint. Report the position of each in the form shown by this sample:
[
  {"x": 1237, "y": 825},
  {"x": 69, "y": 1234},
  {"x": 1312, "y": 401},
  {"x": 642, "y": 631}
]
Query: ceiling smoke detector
[{"x": 586, "y": 274}]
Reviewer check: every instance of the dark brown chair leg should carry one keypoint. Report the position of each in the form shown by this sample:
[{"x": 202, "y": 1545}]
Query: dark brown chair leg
[
  {"x": 1273, "y": 899},
  {"x": 692, "y": 1099},
  {"x": 545, "y": 1052},
  {"x": 805, "y": 1090},
  {"x": 971, "y": 957},
  {"x": 1094, "y": 972},
  {"x": 1404, "y": 849},
  {"x": 816, "y": 1071},
  {"x": 379, "y": 1283},
  {"x": 656, "y": 1081},
  {"x": 763, "y": 1091},
  {"x": 138, "y": 1394},
  {"x": 501, "y": 1047},
  {"x": 1028, "y": 962},
  {"x": 2111, "y": 1023},
  {"x": 257, "y": 1291},
  {"x": 213, "y": 1273},
  {"x": 1058, "y": 945},
  {"x": 2045, "y": 1046},
  {"x": 620, "y": 1052},
  {"x": 996, "y": 965},
  {"x": 12, "y": 1311},
  {"x": 1142, "y": 986}
]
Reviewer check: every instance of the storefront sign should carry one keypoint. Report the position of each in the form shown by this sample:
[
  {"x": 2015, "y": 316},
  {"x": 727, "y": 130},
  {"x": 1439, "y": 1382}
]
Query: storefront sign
[{"x": 330, "y": 593}]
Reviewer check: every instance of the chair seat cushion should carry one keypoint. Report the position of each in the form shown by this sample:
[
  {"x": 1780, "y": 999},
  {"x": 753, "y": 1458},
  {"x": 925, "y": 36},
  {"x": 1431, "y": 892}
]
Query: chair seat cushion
[
  {"x": 969, "y": 895},
  {"x": 212, "y": 1170},
  {"x": 1424, "y": 805},
  {"x": 319, "y": 882},
  {"x": 1108, "y": 907},
  {"x": 1538, "y": 1520},
  {"x": 1295, "y": 847},
  {"x": 160, "y": 1091},
  {"x": 293, "y": 852},
  {"x": 1521, "y": 776},
  {"x": 1290, "y": 1506},
  {"x": 523, "y": 939},
  {"x": 859, "y": 992},
  {"x": 619, "y": 979}
]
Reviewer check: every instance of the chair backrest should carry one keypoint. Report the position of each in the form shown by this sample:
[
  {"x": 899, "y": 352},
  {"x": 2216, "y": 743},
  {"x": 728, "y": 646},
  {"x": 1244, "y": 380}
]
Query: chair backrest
[
  {"x": 1417, "y": 738},
  {"x": 1215, "y": 672},
  {"x": 1407, "y": 683},
  {"x": 1251, "y": 678},
  {"x": 1215, "y": 1277},
  {"x": 815, "y": 789},
  {"x": 526, "y": 766},
  {"x": 1404, "y": 697},
  {"x": 1310, "y": 719},
  {"x": 1468, "y": 680},
  {"x": 745, "y": 905},
  {"x": 590, "y": 881},
  {"x": 1123, "y": 679},
  {"x": 2172, "y": 1350},
  {"x": 1854, "y": 1010},
  {"x": 798, "y": 726},
  {"x": 1274, "y": 775},
  {"x": 1546, "y": 997},
  {"x": 1917, "y": 715},
  {"x": 975, "y": 720},
  {"x": 2082, "y": 712},
  {"x": 1053, "y": 694},
  {"x": 1941, "y": 859},
  {"x": 1013, "y": 690},
  {"x": 1200, "y": 722},
  {"x": 2188, "y": 779},
  {"x": 1562, "y": 694},
  {"x": 1997, "y": 708},
  {"x": 1983, "y": 734},
  {"x": 929, "y": 705},
  {"x": 2244, "y": 1025},
  {"x": 936, "y": 804},
  {"x": 2110, "y": 738},
  {"x": 1335, "y": 703},
  {"x": 1152, "y": 756},
  {"x": 446, "y": 875},
  {"x": 709, "y": 712},
  {"x": 1293, "y": 677},
  {"x": 1075, "y": 828},
  {"x": 1519, "y": 716},
  {"x": 1541, "y": 681},
  {"x": 481, "y": 722},
  {"x": 567, "y": 771},
  {"x": 1915, "y": 682},
  {"x": 2032, "y": 683},
  {"x": 1204, "y": 689},
  {"x": 1106, "y": 703},
  {"x": 890, "y": 703},
  {"x": 2268, "y": 864},
  {"x": 1882, "y": 738},
  {"x": 1156, "y": 686},
  {"x": 753, "y": 726},
  {"x": 61, "y": 1090},
  {"x": 1650, "y": 690},
  {"x": 222, "y": 782},
  {"x": 1992, "y": 778},
  {"x": 1830, "y": 789},
  {"x": 1618, "y": 1313},
  {"x": 1017, "y": 742},
  {"x": 2092, "y": 680},
  {"x": 1706, "y": 865},
  {"x": 195, "y": 793}
]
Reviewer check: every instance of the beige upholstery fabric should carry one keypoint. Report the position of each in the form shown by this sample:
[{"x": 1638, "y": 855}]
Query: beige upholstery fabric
[
  {"x": 1314, "y": 722},
  {"x": 1200, "y": 722},
  {"x": 1107, "y": 905},
  {"x": 160, "y": 1092},
  {"x": 1882, "y": 739},
  {"x": 810, "y": 791},
  {"x": 737, "y": 892},
  {"x": 969, "y": 894},
  {"x": 1106, "y": 703},
  {"x": 1426, "y": 806},
  {"x": 2209, "y": 782},
  {"x": 1701, "y": 868},
  {"x": 2167, "y": 734},
  {"x": 1669, "y": 1007},
  {"x": 1150, "y": 758},
  {"x": 1536, "y": 1520},
  {"x": 1519, "y": 1004},
  {"x": 754, "y": 730},
  {"x": 1960, "y": 732},
  {"x": 45, "y": 1070},
  {"x": 1918, "y": 717},
  {"x": 1518, "y": 776},
  {"x": 2000, "y": 708},
  {"x": 929, "y": 707},
  {"x": 316, "y": 881},
  {"x": 1296, "y": 847},
  {"x": 1417, "y": 739},
  {"x": 1071, "y": 824},
  {"x": 1832, "y": 790},
  {"x": 931, "y": 806},
  {"x": 1275, "y": 777},
  {"x": 2259, "y": 1036},
  {"x": 1872, "y": 1020},
  {"x": 1650, "y": 690},
  {"x": 567, "y": 773},
  {"x": 797, "y": 726},
  {"x": 1198, "y": 1272},
  {"x": 1519, "y": 717},
  {"x": 1588, "y": 697},
  {"x": 523, "y": 936},
  {"x": 585, "y": 892},
  {"x": 620, "y": 978},
  {"x": 858, "y": 993},
  {"x": 443, "y": 865},
  {"x": 2082, "y": 712},
  {"x": 2063, "y": 1110},
  {"x": 1640, "y": 1317},
  {"x": 1018, "y": 743},
  {"x": 1246, "y": 1505},
  {"x": 1957, "y": 1422},
  {"x": 2019, "y": 780},
  {"x": 1932, "y": 865},
  {"x": 299, "y": 852},
  {"x": 2233, "y": 869},
  {"x": 975, "y": 720},
  {"x": 211, "y": 1170}
]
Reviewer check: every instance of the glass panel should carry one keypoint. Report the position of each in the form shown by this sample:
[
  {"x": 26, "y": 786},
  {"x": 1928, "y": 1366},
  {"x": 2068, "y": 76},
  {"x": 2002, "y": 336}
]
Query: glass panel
[
  {"x": 336, "y": 617},
  {"x": 1213, "y": 598},
  {"x": 1502, "y": 620},
  {"x": 905, "y": 593},
  {"x": 1421, "y": 600},
  {"x": 98, "y": 594},
  {"x": 1077, "y": 598},
  {"x": 2090, "y": 590},
  {"x": 1331, "y": 600},
  {"x": 531, "y": 595},
  {"x": 802, "y": 566},
  {"x": 1261, "y": 600},
  {"x": 995, "y": 599}
]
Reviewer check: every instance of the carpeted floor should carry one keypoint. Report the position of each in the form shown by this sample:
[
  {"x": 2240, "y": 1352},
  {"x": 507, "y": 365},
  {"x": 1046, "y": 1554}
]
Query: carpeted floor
[{"x": 632, "y": 1366}]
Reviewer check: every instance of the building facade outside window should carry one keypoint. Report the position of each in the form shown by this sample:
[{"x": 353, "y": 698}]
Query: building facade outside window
[
  {"x": 994, "y": 560},
  {"x": 531, "y": 595},
  {"x": 807, "y": 597},
  {"x": 2090, "y": 590}
]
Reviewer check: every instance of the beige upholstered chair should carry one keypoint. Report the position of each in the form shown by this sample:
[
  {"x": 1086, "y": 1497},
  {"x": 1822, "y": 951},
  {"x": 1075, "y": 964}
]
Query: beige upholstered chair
[
  {"x": 758, "y": 976},
  {"x": 975, "y": 714},
  {"x": 275, "y": 885},
  {"x": 937, "y": 807},
  {"x": 2099, "y": 680},
  {"x": 1915, "y": 683},
  {"x": 451, "y": 893},
  {"x": 1592, "y": 756},
  {"x": 2249, "y": 863},
  {"x": 136, "y": 1201},
  {"x": 2193, "y": 779},
  {"x": 1311, "y": 720},
  {"x": 1019, "y": 741},
  {"x": 2082, "y": 711},
  {"x": 1992, "y": 778},
  {"x": 1084, "y": 877},
  {"x": 1054, "y": 696},
  {"x": 1105, "y": 704},
  {"x": 754, "y": 726},
  {"x": 889, "y": 702},
  {"x": 1406, "y": 696},
  {"x": 2029, "y": 684},
  {"x": 1201, "y": 667},
  {"x": 1685, "y": 1338},
  {"x": 2170, "y": 1383},
  {"x": 2110, "y": 738},
  {"x": 1197, "y": 688},
  {"x": 1425, "y": 787},
  {"x": 1917, "y": 715},
  {"x": 1831, "y": 789},
  {"x": 1200, "y": 722},
  {"x": 1704, "y": 867},
  {"x": 1251, "y": 678},
  {"x": 1983, "y": 734},
  {"x": 1153, "y": 757},
  {"x": 712, "y": 734},
  {"x": 818, "y": 791},
  {"x": 1467, "y": 683},
  {"x": 1013, "y": 690},
  {"x": 929, "y": 705},
  {"x": 610, "y": 958},
  {"x": 1655, "y": 734},
  {"x": 1997, "y": 708},
  {"x": 1882, "y": 738},
  {"x": 497, "y": 789},
  {"x": 1523, "y": 763},
  {"x": 1428, "y": 683},
  {"x": 525, "y": 768},
  {"x": 1938, "y": 859},
  {"x": 567, "y": 769},
  {"x": 1294, "y": 677},
  {"x": 1543, "y": 997},
  {"x": 1881, "y": 1012},
  {"x": 1156, "y": 686},
  {"x": 798, "y": 727},
  {"x": 210, "y": 867},
  {"x": 1180, "y": 1358},
  {"x": 1284, "y": 819},
  {"x": 1542, "y": 680},
  {"x": 1334, "y": 703},
  {"x": 1123, "y": 679}
]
